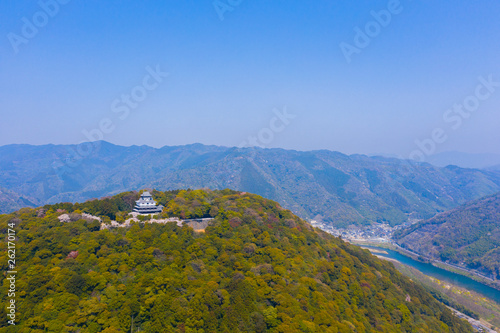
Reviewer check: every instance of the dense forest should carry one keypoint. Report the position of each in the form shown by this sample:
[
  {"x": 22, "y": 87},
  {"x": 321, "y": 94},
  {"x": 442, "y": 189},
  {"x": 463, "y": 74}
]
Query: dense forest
[
  {"x": 468, "y": 236},
  {"x": 256, "y": 268}
]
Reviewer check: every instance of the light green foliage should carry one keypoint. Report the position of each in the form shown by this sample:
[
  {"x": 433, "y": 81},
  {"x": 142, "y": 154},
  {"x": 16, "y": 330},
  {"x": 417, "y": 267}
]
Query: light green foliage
[{"x": 257, "y": 268}]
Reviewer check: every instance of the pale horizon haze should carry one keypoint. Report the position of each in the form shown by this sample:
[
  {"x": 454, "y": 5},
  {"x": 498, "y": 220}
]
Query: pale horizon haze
[{"x": 371, "y": 77}]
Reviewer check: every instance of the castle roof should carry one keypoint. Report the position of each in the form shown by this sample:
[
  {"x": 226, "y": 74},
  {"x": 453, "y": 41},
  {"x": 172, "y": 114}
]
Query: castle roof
[{"x": 146, "y": 204}]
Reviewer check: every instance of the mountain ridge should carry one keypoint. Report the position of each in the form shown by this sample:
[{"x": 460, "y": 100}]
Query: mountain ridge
[
  {"x": 12, "y": 201},
  {"x": 461, "y": 159},
  {"x": 464, "y": 160},
  {"x": 323, "y": 185},
  {"x": 468, "y": 236}
]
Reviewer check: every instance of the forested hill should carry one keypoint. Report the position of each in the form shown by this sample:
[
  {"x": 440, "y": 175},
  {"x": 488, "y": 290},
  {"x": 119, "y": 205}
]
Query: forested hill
[
  {"x": 322, "y": 185},
  {"x": 257, "y": 268},
  {"x": 468, "y": 236}
]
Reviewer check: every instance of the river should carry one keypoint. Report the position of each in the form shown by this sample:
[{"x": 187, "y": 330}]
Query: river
[{"x": 443, "y": 275}]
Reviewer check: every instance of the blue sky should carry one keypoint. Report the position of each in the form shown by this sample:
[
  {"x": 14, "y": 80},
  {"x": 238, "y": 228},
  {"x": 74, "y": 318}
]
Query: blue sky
[{"x": 229, "y": 78}]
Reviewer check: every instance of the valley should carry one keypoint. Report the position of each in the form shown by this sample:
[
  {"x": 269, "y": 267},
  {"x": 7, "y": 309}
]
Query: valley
[
  {"x": 471, "y": 298},
  {"x": 460, "y": 287},
  {"x": 467, "y": 237}
]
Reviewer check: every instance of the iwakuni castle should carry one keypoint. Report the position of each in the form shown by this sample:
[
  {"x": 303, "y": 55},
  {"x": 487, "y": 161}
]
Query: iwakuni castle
[{"x": 146, "y": 205}]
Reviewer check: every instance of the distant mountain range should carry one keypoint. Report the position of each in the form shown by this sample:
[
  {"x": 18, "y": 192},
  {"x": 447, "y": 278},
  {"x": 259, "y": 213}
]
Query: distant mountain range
[
  {"x": 460, "y": 159},
  {"x": 494, "y": 168},
  {"x": 465, "y": 160},
  {"x": 322, "y": 185},
  {"x": 468, "y": 235}
]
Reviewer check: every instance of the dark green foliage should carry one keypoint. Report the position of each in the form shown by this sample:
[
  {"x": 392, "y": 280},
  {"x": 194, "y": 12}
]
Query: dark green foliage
[{"x": 257, "y": 268}]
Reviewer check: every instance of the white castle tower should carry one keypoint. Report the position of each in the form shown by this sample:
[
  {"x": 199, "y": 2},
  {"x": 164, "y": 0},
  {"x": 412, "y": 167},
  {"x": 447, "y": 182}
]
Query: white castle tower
[{"x": 146, "y": 205}]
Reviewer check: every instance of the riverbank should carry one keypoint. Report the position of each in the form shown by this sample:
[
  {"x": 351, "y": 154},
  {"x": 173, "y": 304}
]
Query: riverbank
[
  {"x": 481, "y": 311},
  {"x": 476, "y": 324},
  {"x": 478, "y": 310},
  {"x": 446, "y": 266},
  {"x": 450, "y": 267}
]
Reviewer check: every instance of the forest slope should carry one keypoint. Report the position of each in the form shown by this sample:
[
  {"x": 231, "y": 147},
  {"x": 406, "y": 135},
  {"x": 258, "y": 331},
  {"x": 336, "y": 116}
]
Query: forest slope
[
  {"x": 467, "y": 236},
  {"x": 258, "y": 268}
]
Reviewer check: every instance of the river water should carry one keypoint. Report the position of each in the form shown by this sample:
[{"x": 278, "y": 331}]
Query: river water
[{"x": 443, "y": 275}]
